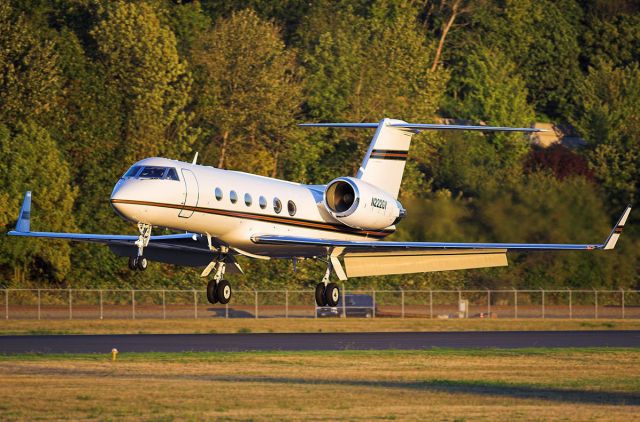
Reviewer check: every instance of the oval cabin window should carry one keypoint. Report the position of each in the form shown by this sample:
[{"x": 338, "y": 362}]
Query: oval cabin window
[
  {"x": 277, "y": 205},
  {"x": 247, "y": 199},
  {"x": 233, "y": 196},
  {"x": 291, "y": 207},
  {"x": 263, "y": 202},
  {"x": 218, "y": 194}
]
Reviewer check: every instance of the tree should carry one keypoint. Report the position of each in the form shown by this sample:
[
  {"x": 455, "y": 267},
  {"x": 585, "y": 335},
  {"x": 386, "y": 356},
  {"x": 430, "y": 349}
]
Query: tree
[
  {"x": 542, "y": 209},
  {"x": 143, "y": 66},
  {"x": 250, "y": 94},
  {"x": 608, "y": 120},
  {"x": 30, "y": 80},
  {"x": 52, "y": 202},
  {"x": 540, "y": 37},
  {"x": 363, "y": 68}
]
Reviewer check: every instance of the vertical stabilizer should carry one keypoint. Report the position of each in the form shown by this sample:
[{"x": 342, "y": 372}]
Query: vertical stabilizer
[{"x": 384, "y": 163}]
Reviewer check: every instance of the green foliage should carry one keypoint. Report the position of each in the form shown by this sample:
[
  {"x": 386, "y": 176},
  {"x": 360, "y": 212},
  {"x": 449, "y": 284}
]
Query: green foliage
[
  {"x": 363, "y": 68},
  {"x": 87, "y": 87},
  {"x": 29, "y": 73},
  {"x": 143, "y": 66},
  {"x": 609, "y": 120},
  {"x": 32, "y": 161},
  {"x": 250, "y": 94}
]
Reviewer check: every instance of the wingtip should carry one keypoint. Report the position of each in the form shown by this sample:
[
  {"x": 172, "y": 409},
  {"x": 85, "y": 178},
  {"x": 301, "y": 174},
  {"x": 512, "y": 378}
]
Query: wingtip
[{"x": 611, "y": 241}]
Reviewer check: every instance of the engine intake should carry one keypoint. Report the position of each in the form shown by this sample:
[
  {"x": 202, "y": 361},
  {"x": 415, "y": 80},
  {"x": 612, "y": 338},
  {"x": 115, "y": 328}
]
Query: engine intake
[{"x": 360, "y": 205}]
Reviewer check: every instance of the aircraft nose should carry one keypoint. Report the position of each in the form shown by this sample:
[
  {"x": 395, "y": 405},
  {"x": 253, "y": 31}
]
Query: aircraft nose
[{"x": 121, "y": 198}]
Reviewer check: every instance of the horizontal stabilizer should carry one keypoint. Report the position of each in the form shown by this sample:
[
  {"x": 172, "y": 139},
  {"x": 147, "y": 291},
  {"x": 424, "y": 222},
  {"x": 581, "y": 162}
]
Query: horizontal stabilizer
[{"x": 425, "y": 126}]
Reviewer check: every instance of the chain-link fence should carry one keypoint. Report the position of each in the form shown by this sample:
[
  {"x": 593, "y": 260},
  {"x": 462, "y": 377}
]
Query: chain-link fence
[{"x": 431, "y": 304}]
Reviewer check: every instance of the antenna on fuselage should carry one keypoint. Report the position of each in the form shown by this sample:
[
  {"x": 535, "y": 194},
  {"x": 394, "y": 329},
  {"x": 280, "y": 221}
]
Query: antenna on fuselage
[{"x": 195, "y": 158}]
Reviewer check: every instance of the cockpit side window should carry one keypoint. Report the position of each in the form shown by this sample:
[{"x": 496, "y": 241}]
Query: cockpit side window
[
  {"x": 152, "y": 173},
  {"x": 132, "y": 172},
  {"x": 172, "y": 174}
]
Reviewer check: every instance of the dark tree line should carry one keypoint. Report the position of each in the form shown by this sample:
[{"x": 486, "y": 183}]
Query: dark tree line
[{"x": 89, "y": 86}]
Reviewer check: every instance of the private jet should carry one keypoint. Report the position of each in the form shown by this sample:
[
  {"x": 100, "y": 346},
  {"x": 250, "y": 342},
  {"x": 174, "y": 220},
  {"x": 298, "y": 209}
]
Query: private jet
[{"x": 222, "y": 214}]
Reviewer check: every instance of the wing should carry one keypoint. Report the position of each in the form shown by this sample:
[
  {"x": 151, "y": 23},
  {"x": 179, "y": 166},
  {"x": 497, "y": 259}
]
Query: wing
[
  {"x": 380, "y": 258},
  {"x": 186, "y": 249}
]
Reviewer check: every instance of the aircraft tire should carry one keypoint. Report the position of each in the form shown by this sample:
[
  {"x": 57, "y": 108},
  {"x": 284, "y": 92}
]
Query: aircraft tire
[
  {"x": 142, "y": 263},
  {"x": 223, "y": 291},
  {"x": 132, "y": 263},
  {"x": 211, "y": 292},
  {"x": 332, "y": 294},
  {"x": 320, "y": 299}
]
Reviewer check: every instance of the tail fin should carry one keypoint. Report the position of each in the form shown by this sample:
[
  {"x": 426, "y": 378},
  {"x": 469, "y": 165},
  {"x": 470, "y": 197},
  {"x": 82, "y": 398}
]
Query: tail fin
[{"x": 384, "y": 163}]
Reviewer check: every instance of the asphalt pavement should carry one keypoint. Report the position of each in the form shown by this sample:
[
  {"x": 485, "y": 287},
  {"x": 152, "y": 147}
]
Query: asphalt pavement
[{"x": 315, "y": 341}]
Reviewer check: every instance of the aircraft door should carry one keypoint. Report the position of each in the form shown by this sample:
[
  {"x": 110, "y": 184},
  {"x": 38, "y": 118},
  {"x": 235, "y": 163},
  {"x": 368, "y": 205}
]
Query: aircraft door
[{"x": 191, "y": 193}]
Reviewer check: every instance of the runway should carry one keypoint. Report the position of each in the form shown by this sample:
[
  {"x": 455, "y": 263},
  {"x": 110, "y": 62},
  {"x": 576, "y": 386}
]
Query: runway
[{"x": 315, "y": 341}]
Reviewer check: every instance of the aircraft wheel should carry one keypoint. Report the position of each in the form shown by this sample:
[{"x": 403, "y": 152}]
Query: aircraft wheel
[
  {"x": 211, "y": 292},
  {"x": 332, "y": 294},
  {"x": 223, "y": 291},
  {"x": 142, "y": 263},
  {"x": 132, "y": 263},
  {"x": 320, "y": 300}
]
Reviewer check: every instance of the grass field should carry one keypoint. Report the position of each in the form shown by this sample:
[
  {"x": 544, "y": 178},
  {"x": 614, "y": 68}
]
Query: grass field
[
  {"x": 442, "y": 385},
  {"x": 301, "y": 325}
]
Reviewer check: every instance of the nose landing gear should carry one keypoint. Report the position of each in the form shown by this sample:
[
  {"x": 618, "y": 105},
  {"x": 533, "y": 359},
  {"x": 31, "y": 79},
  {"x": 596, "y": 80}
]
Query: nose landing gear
[{"x": 139, "y": 262}]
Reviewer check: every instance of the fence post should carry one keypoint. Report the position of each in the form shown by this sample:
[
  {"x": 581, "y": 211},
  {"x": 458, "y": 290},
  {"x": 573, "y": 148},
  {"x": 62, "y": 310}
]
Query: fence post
[
  {"x": 286, "y": 303},
  {"x": 622, "y": 292},
  {"x": 430, "y": 304},
  {"x": 374, "y": 303},
  {"x": 488, "y": 303},
  {"x": 164, "y": 305},
  {"x": 133, "y": 304},
  {"x": 256, "y": 303},
  {"x": 344, "y": 303},
  {"x": 515, "y": 300},
  {"x": 101, "y": 314},
  {"x": 6, "y": 303},
  {"x": 38, "y": 304},
  {"x": 542, "y": 290},
  {"x": 570, "y": 305},
  {"x": 595, "y": 295},
  {"x": 70, "y": 310},
  {"x": 402, "y": 298},
  {"x": 195, "y": 304}
]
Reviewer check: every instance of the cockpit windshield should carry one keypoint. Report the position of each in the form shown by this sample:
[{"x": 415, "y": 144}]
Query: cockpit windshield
[{"x": 152, "y": 172}]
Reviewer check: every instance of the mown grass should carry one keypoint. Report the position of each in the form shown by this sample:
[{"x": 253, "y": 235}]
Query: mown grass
[
  {"x": 444, "y": 384},
  {"x": 281, "y": 325}
]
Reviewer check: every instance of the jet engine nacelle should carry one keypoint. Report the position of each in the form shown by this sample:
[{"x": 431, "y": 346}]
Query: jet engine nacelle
[{"x": 360, "y": 205}]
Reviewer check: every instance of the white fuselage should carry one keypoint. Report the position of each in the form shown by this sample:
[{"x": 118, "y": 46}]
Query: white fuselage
[{"x": 201, "y": 201}]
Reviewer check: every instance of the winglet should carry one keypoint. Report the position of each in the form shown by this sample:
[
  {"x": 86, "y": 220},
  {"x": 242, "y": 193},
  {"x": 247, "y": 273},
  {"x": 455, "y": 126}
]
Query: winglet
[
  {"x": 610, "y": 243},
  {"x": 24, "y": 219}
]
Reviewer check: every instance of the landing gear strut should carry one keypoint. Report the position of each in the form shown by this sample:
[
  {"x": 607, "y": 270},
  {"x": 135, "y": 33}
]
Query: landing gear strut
[
  {"x": 219, "y": 290},
  {"x": 327, "y": 294},
  {"x": 139, "y": 262}
]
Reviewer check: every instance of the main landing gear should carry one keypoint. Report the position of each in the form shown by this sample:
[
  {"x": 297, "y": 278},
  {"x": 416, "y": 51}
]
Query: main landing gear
[
  {"x": 219, "y": 290},
  {"x": 327, "y": 294},
  {"x": 139, "y": 262}
]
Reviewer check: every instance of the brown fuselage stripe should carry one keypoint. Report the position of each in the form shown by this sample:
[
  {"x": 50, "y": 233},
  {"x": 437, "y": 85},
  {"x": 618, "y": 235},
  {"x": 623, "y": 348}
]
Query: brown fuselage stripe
[
  {"x": 389, "y": 154},
  {"x": 618, "y": 230},
  {"x": 260, "y": 217}
]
